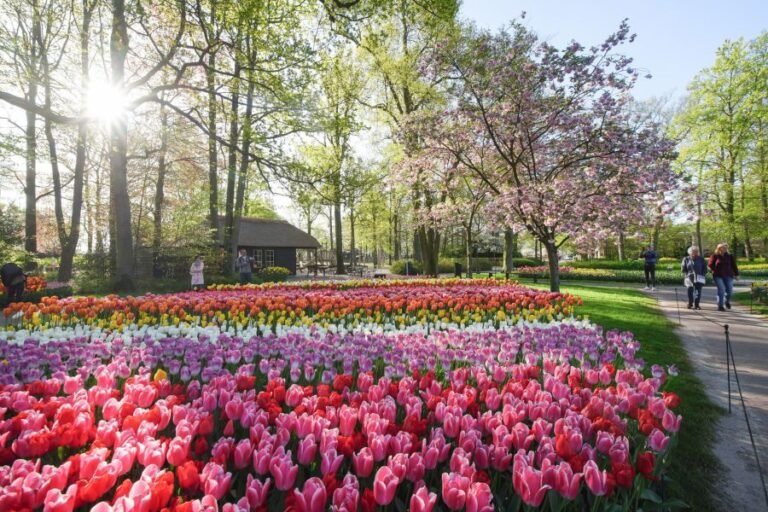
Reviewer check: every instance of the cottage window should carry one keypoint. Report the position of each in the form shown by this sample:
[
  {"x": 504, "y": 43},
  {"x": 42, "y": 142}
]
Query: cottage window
[
  {"x": 257, "y": 260},
  {"x": 269, "y": 257}
]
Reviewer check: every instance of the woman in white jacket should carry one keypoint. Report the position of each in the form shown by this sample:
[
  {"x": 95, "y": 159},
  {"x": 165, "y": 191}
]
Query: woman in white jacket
[{"x": 196, "y": 271}]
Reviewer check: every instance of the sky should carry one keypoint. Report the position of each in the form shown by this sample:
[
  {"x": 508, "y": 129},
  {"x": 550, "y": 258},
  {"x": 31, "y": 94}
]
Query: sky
[{"x": 675, "y": 38}]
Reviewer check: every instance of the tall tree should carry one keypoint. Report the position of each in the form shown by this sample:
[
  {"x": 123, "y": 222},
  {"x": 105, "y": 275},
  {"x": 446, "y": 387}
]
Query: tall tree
[
  {"x": 568, "y": 154},
  {"x": 719, "y": 127},
  {"x": 393, "y": 39}
]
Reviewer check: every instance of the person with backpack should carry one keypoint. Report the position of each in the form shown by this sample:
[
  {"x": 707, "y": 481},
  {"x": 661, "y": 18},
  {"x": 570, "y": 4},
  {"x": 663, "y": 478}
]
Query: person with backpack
[
  {"x": 724, "y": 271},
  {"x": 694, "y": 269},
  {"x": 244, "y": 264},
  {"x": 14, "y": 279},
  {"x": 650, "y": 257}
]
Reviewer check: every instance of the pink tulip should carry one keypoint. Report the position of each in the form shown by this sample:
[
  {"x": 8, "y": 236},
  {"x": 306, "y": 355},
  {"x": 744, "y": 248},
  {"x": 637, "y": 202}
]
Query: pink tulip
[
  {"x": 313, "y": 497},
  {"x": 283, "y": 470},
  {"x": 56, "y": 501},
  {"x": 399, "y": 465},
  {"x": 596, "y": 480},
  {"x": 657, "y": 441},
  {"x": 256, "y": 491},
  {"x": 240, "y": 506},
  {"x": 234, "y": 409},
  {"x": 416, "y": 467},
  {"x": 567, "y": 483},
  {"x": 262, "y": 459},
  {"x": 528, "y": 483},
  {"x": 479, "y": 498},
  {"x": 347, "y": 496},
  {"x": 178, "y": 450},
  {"x": 362, "y": 462},
  {"x": 670, "y": 421},
  {"x": 243, "y": 454},
  {"x": 422, "y": 500},
  {"x": 455, "y": 488},
  {"x": 347, "y": 420},
  {"x": 151, "y": 451},
  {"x": 294, "y": 395},
  {"x": 330, "y": 462},
  {"x": 215, "y": 480},
  {"x": 384, "y": 486},
  {"x": 307, "y": 450},
  {"x": 378, "y": 445}
]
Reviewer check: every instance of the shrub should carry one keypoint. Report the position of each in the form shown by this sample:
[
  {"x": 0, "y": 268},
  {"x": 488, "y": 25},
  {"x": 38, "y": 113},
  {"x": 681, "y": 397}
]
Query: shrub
[
  {"x": 274, "y": 274},
  {"x": 398, "y": 267}
]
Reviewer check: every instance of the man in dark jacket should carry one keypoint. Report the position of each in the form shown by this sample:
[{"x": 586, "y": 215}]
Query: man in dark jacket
[
  {"x": 649, "y": 255},
  {"x": 13, "y": 279}
]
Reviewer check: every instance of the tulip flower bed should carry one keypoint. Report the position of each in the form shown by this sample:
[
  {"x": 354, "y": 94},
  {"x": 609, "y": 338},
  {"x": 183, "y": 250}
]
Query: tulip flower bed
[
  {"x": 534, "y": 410},
  {"x": 395, "y": 304},
  {"x": 33, "y": 284}
]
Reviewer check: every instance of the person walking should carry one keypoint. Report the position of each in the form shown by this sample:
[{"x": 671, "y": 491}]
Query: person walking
[
  {"x": 244, "y": 266},
  {"x": 14, "y": 279},
  {"x": 724, "y": 271},
  {"x": 650, "y": 257},
  {"x": 196, "y": 271},
  {"x": 694, "y": 269}
]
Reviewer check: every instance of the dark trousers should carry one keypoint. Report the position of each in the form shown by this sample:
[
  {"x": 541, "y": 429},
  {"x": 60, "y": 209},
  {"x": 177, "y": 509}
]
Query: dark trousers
[
  {"x": 13, "y": 293},
  {"x": 694, "y": 294},
  {"x": 245, "y": 277},
  {"x": 650, "y": 274}
]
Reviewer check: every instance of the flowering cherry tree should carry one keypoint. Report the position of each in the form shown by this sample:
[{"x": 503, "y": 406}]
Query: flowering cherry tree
[{"x": 551, "y": 133}]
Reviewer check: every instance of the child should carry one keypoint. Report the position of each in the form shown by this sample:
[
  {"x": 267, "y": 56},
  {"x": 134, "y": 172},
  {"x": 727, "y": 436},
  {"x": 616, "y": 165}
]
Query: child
[{"x": 196, "y": 271}]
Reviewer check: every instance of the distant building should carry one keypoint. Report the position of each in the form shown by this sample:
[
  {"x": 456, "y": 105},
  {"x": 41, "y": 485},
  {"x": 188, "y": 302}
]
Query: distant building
[{"x": 275, "y": 243}]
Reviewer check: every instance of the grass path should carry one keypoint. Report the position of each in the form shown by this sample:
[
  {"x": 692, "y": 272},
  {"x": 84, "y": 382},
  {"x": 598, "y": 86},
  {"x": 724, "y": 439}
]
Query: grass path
[{"x": 694, "y": 467}]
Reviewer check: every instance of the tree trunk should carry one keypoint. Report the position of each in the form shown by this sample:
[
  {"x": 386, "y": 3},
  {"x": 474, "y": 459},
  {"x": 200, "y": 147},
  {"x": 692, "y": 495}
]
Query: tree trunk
[
  {"x": 339, "y": 246},
  {"x": 375, "y": 239},
  {"x": 620, "y": 245},
  {"x": 657, "y": 225},
  {"x": 69, "y": 245},
  {"x": 242, "y": 177},
  {"x": 748, "y": 251},
  {"x": 353, "y": 254},
  {"x": 213, "y": 157},
  {"x": 509, "y": 250},
  {"x": 429, "y": 245},
  {"x": 330, "y": 228},
  {"x": 30, "y": 188},
  {"x": 118, "y": 155},
  {"x": 396, "y": 233},
  {"x": 468, "y": 248},
  {"x": 229, "y": 206},
  {"x": 162, "y": 168},
  {"x": 554, "y": 265}
]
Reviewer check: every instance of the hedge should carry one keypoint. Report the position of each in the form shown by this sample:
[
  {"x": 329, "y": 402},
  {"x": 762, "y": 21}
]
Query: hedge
[{"x": 446, "y": 265}]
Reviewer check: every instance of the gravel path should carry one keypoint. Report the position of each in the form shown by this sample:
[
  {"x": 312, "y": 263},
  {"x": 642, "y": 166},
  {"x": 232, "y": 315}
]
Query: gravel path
[{"x": 702, "y": 333}]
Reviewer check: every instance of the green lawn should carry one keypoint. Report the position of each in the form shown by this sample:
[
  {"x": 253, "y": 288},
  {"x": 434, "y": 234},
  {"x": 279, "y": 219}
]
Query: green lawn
[
  {"x": 694, "y": 467},
  {"x": 743, "y": 298}
]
